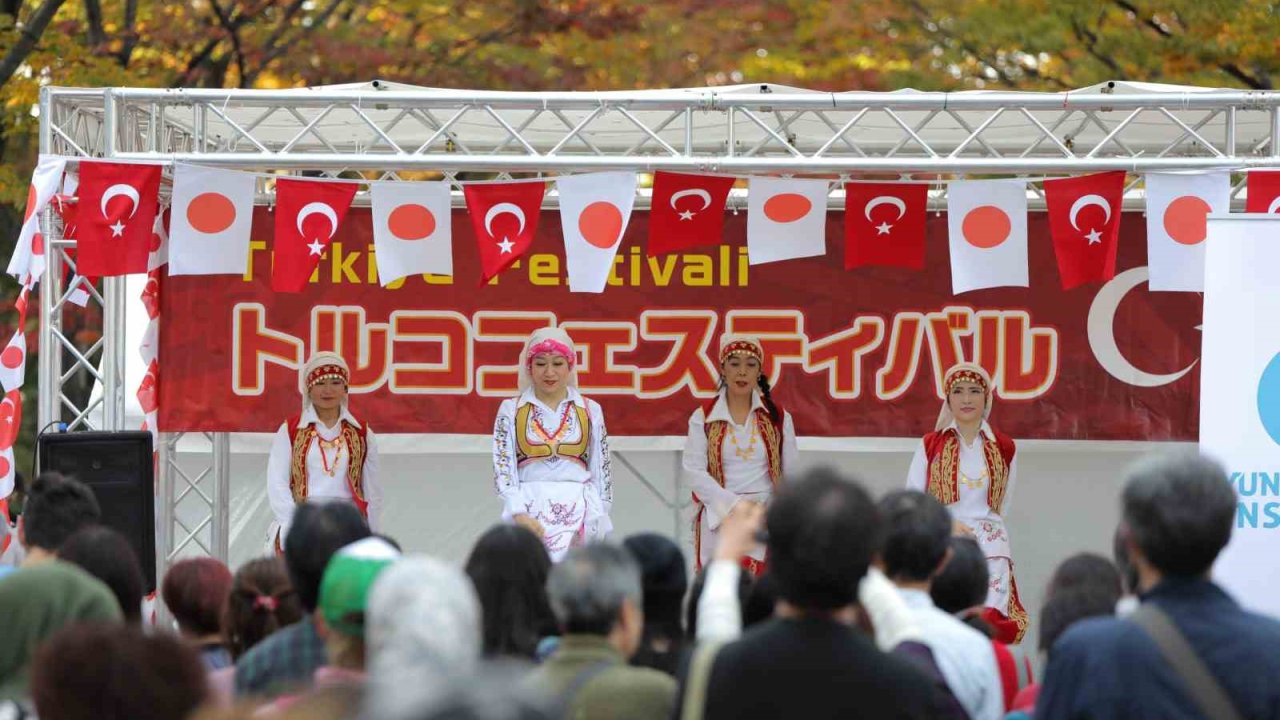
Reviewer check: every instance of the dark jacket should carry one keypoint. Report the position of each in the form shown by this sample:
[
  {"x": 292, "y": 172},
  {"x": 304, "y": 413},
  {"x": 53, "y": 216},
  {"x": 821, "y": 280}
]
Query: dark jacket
[
  {"x": 1105, "y": 668},
  {"x": 813, "y": 668}
]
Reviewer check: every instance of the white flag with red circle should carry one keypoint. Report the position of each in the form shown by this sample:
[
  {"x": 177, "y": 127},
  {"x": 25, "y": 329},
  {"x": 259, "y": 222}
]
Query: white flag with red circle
[
  {"x": 1178, "y": 208},
  {"x": 10, "y": 424},
  {"x": 13, "y": 362},
  {"x": 211, "y": 217},
  {"x": 786, "y": 219},
  {"x": 987, "y": 229},
  {"x": 27, "y": 263},
  {"x": 594, "y": 211},
  {"x": 412, "y": 229}
]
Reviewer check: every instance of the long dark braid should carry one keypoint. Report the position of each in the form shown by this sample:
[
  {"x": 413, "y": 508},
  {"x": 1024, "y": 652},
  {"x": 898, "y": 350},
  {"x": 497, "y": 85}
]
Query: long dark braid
[{"x": 767, "y": 399}]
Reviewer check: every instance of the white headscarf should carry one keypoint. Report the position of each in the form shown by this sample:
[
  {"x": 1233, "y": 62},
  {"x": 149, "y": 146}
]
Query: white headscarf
[
  {"x": 548, "y": 339},
  {"x": 973, "y": 371},
  {"x": 318, "y": 360}
]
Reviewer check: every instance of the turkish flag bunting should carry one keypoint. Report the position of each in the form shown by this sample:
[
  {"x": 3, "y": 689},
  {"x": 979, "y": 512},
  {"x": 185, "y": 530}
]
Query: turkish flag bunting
[
  {"x": 505, "y": 218},
  {"x": 308, "y": 213},
  {"x": 1084, "y": 221},
  {"x": 686, "y": 211},
  {"x": 117, "y": 209},
  {"x": 1263, "y": 188},
  {"x": 884, "y": 224}
]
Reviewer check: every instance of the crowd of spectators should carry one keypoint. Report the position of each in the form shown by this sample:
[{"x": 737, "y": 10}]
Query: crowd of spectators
[{"x": 869, "y": 608}]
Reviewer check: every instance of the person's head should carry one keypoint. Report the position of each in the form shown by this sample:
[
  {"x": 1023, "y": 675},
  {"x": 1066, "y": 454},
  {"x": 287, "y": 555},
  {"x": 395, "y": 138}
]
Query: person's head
[
  {"x": 107, "y": 555},
  {"x": 261, "y": 601},
  {"x": 1086, "y": 570},
  {"x": 664, "y": 580},
  {"x": 344, "y": 598},
  {"x": 87, "y": 672},
  {"x": 318, "y": 530},
  {"x": 1070, "y": 605},
  {"x": 423, "y": 623},
  {"x": 918, "y": 536},
  {"x": 1178, "y": 512},
  {"x": 548, "y": 362},
  {"x": 18, "y": 496},
  {"x": 509, "y": 568},
  {"x": 745, "y": 585},
  {"x": 56, "y": 507},
  {"x": 741, "y": 365},
  {"x": 967, "y": 389},
  {"x": 324, "y": 381},
  {"x": 195, "y": 591},
  {"x": 595, "y": 590},
  {"x": 962, "y": 584},
  {"x": 823, "y": 532}
]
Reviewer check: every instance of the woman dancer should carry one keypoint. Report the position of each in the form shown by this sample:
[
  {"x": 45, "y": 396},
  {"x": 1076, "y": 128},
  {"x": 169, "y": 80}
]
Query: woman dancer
[
  {"x": 738, "y": 447},
  {"x": 970, "y": 467},
  {"x": 551, "y": 450},
  {"x": 323, "y": 453}
]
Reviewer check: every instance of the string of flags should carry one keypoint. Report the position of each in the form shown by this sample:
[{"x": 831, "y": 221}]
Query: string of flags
[{"x": 884, "y": 223}]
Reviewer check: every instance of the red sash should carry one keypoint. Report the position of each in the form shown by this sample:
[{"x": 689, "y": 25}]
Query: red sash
[{"x": 357, "y": 444}]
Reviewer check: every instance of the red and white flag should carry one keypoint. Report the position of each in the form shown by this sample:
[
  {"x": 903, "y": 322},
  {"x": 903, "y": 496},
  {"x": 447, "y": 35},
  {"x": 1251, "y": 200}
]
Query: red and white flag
[
  {"x": 686, "y": 211},
  {"x": 1084, "y": 221},
  {"x": 1263, "y": 191},
  {"x": 308, "y": 214},
  {"x": 13, "y": 362},
  {"x": 505, "y": 218},
  {"x": 786, "y": 219},
  {"x": 210, "y": 221},
  {"x": 117, "y": 211},
  {"x": 884, "y": 224},
  {"x": 1178, "y": 207},
  {"x": 594, "y": 211},
  {"x": 412, "y": 229},
  {"x": 987, "y": 229},
  {"x": 10, "y": 424},
  {"x": 27, "y": 263}
]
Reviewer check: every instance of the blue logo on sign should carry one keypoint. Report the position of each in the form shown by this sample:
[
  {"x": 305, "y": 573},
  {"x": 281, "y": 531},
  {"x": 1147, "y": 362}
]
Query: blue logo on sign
[{"x": 1269, "y": 398}]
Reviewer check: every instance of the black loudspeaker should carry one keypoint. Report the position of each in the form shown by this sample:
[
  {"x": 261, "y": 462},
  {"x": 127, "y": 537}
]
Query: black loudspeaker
[{"x": 118, "y": 467}]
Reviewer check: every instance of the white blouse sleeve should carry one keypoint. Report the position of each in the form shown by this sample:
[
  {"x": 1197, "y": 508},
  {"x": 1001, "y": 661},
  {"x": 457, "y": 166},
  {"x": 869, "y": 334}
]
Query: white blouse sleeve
[
  {"x": 506, "y": 477},
  {"x": 719, "y": 614},
  {"x": 600, "y": 467},
  {"x": 719, "y": 501},
  {"x": 790, "y": 451},
  {"x": 278, "y": 494},
  {"x": 372, "y": 483},
  {"x": 917, "y": 474}
]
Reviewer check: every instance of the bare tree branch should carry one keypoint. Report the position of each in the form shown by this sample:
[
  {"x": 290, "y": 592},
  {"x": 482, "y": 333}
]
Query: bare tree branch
[
  {"x": 275, "y": 50},
  {"x": 93, "y": 15},
  {"x": 1229, "y": 68},
  {"x": 233, "y": 30},
  {"x": 128, "y": 32},
  {"x": 27, "y": 39}
]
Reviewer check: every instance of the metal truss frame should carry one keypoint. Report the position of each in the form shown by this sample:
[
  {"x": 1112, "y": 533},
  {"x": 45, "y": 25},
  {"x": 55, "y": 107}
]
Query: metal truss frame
[{"x": 382, "y": 130}]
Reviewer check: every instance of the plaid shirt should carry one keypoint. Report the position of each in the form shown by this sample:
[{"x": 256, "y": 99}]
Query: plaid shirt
[{"x": 281, "y": 662}]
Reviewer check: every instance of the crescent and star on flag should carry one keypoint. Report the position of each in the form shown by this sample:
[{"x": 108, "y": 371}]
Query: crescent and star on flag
[
  {"x": 505, "y": 246},
  {"x": 1093, "y": 236},
  {"x": 317, "y": 208},
  {"x": 691, "y": 192},
  {"x": 883, "y": 228},
  {"x": 119, "y": 189}
]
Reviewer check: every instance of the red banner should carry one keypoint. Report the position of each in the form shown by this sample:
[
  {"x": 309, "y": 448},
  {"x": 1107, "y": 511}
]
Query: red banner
[{"x": 851, "y": 353}]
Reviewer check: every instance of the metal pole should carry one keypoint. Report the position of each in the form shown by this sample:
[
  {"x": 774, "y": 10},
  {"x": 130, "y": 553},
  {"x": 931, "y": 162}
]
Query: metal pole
[
  {"x": 164, "y": 515},
  {"x": 221, "y": 510}
]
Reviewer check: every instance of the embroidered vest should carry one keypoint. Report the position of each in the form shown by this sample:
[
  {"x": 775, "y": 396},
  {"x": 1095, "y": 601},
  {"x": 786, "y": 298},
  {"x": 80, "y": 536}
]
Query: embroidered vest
[
  {"x": 942, "y": 449},
  {"x": 528, "y": 451},
  {"x": 357, "y": 446},
  {"x": 770, "y": 432}
]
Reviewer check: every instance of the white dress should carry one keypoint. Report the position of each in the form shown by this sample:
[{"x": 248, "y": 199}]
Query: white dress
[
  {"x": 746, "y": 468},
  {"x": 571, "y": 497},
  {"x": 972, "y": 484},
  {"x": 320, "y": 484}
]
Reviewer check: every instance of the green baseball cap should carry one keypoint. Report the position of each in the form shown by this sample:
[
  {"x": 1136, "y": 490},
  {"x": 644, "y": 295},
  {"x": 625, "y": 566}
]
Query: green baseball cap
[{"x": 344, "y": 589}]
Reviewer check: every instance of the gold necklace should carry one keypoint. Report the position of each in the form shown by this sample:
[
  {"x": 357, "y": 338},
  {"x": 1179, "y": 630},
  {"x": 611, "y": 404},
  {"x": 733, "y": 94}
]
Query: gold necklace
[
  {"x": 750, "y": 450},
  {"x": 974, "y": 483},
  {"x": 336, "y": 444}
]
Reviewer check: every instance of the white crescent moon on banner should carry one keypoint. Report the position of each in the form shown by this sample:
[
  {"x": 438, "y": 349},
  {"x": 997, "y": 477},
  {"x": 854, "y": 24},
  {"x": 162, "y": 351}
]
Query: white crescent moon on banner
[
  {"x": 885, "y": 200},
  {"x": 1102, "y": 335},
  {"x": 1085, "y": 201},
  {"x": 120, "y": 189},
  {"x": 319, "y": 208},
  {"x": 1274, "y": 206},
  {"x": 692, "y": 192},
  {"x": 503, "y": 208}
]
